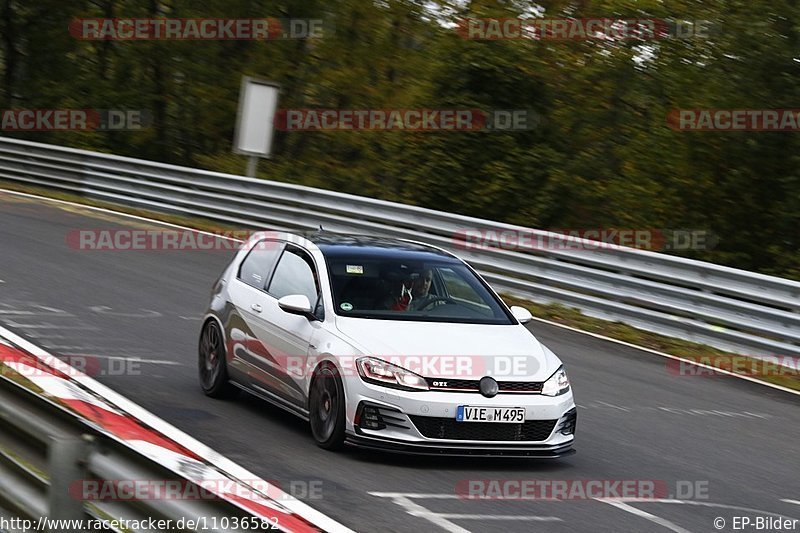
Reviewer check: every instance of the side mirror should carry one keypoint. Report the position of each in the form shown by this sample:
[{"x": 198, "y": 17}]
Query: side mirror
[
  {"x": 520, "y": 313},
  {"x": 296, "y": 304}
]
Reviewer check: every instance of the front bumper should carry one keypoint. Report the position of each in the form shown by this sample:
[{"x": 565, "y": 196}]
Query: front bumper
[
  {"x": 462, "y": 449},
  {"x": 424, "y": 423}
]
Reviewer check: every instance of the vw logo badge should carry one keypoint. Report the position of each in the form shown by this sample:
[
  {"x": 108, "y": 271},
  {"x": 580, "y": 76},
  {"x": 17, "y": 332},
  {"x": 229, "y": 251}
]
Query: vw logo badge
[{"x": 489, "y": 387}]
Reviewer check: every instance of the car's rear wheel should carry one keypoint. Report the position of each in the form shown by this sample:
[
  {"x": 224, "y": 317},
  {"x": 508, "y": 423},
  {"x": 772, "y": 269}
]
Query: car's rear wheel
[
  {"x": 212, "y": 363},
  {"x": 327, "y": 407}
]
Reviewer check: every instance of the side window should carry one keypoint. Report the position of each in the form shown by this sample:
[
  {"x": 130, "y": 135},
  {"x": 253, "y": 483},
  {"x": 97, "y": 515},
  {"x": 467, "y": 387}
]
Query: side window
[
  {"x": 295, "y": 275},
  {"x": 258, "y": 264}
]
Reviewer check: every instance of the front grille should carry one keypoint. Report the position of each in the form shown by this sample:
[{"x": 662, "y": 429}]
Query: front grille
[
  {"x": 521, "y": 386},
  {"x": 447, "y": 428},
  {"x": 473, "y": 385},
  {"x": 460, "y": 384}
]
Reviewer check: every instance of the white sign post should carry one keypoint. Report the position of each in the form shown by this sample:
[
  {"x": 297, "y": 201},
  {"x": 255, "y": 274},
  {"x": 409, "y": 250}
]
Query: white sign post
[{"x": 258, "y": 102}]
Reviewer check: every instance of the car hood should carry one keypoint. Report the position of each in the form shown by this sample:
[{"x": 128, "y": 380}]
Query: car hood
[{"x": 462, "y": 351}]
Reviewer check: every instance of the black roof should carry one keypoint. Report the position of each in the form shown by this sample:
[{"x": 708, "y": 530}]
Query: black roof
[{"x": 337, "y": 244}]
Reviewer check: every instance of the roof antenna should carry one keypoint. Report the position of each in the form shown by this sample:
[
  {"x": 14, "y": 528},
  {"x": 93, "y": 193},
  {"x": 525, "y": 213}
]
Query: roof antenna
[{"x": 320, "y": 228}]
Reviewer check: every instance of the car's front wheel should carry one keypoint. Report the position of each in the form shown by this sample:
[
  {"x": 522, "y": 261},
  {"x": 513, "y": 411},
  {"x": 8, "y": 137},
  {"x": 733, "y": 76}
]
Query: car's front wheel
[
  {"x": 327, "y": 407},
  {"x": 212, "y": 364}
]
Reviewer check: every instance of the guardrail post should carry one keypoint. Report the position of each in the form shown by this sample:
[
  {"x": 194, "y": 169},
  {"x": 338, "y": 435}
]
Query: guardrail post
[
  {"x": 252, "y": 166},
  {"x": 66, "y": 458}
]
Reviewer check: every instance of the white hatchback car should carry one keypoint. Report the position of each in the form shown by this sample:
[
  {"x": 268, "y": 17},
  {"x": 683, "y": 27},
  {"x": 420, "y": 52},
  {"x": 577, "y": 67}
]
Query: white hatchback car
[{"x": 386, "y": 344}]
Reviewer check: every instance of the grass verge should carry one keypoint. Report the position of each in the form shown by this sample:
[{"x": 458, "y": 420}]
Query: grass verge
[{"x": 689, "y": 351}]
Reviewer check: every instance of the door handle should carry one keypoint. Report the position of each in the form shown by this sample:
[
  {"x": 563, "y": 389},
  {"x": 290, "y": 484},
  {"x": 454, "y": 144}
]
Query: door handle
[{"x": 256, "y": 308}]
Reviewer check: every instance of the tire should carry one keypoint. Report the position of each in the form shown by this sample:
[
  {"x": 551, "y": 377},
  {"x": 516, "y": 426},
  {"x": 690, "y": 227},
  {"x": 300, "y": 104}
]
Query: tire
[
  {"x": 327, "y": 406},
  {"x": 212, "y": 363}
]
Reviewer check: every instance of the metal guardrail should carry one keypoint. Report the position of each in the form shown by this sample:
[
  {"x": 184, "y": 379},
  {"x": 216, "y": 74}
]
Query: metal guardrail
[
  {"x": 720, "y": 306},
  {"x": 45, "y": 454},
  {"x": 75, "y": 454}
]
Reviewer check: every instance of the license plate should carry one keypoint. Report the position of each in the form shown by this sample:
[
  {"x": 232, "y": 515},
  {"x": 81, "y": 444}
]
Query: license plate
[{"x": 508, "y": 415}]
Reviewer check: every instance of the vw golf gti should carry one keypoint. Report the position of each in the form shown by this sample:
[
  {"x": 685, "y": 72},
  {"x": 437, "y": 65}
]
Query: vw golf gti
[{"x": 385, "y": 344}]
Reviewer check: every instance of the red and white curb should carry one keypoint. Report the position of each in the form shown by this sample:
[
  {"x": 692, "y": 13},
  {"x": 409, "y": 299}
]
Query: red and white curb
[{"x": 128, "y": 423}]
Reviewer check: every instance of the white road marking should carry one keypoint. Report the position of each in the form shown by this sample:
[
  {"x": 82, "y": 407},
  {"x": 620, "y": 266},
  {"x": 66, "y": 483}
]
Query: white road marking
[
  {"x": 644, "y": 514},
  {"x": 51, "y": 346},
  {"x": 614, "y": 406},
  {"x": 49, "y": 312},
  {"x": 417, "y": 495},
  {"x": 49, "y": 326},
  {"x": 105, "y": 310},
  {"x": 529, "y": 518},
  {"x": 415, "y": 509},
  {"x": 443, "y": 520},
  {"x": 668, "y": 356},
  {"x": 796, "y": 502},
  {"x": 131, "y": 359},
  {"x": 47, "y": 336},
  {"x": 52, "y": 309},
  {"x": 117, "y": 213},
  {"x": 696, "y": 503},
  {"x": 678, "y": 410}
]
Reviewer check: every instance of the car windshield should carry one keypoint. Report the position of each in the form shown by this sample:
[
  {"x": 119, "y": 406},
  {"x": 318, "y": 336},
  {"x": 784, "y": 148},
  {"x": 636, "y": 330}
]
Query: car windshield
[{"x": 399, "y": 289}]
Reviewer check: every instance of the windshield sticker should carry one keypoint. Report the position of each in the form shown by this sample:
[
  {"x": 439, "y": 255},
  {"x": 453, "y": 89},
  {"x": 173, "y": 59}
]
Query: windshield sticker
[
  {"x": 355, "y": 269},
  {"x": 345, "y": 306}
]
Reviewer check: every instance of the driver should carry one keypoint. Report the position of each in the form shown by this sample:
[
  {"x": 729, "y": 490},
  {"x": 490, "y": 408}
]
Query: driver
[
  {"x": 416, "y": 295},
  {"x": 420, "y": 290}
]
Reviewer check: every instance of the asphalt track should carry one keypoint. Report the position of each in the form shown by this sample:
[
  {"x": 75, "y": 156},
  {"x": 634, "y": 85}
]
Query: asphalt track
[{"x": 137, "y": 313}]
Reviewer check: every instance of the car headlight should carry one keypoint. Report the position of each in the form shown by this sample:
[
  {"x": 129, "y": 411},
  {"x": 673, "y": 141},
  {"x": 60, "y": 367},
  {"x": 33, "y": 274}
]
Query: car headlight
[
  {"x": 557, "y": 385},
  {"x": 373, "y": 370}
]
